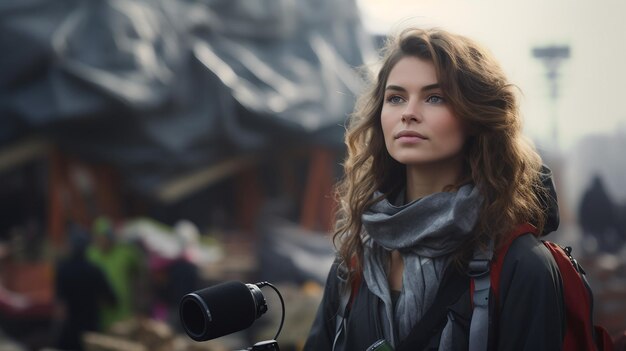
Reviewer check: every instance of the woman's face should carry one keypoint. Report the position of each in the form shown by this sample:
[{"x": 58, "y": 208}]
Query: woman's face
[{"x": 418, "y": 124}]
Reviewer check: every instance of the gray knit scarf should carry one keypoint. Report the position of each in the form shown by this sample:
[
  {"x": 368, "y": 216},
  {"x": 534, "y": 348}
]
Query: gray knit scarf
[{"x": 425, "y": 232}]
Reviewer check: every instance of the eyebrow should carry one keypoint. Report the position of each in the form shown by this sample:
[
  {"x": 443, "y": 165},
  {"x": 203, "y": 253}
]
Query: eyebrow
[{"x": 424, "y": 88}]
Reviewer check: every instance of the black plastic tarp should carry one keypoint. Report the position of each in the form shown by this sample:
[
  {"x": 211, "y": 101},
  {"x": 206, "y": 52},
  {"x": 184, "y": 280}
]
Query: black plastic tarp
[{"x": 162, "y": 87}]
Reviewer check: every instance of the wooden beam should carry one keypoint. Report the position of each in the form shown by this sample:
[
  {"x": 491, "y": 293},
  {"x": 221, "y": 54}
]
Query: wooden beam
[
  {"x": 180, "y": 187},
  {"x": 23, "y": 151}
]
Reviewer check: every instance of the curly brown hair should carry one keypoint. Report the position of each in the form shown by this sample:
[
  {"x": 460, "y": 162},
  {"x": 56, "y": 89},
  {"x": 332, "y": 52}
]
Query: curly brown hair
[{"x": 498, "y": 159}]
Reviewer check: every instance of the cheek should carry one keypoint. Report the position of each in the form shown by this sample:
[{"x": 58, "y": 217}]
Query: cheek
[
  {"x": 386, "y": 124},
  {"x": 453, "y": 132}
]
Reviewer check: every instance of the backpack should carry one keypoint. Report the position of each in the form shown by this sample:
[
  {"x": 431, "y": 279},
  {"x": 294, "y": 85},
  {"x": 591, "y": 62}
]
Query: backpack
[{"x": 580, "y": 333}]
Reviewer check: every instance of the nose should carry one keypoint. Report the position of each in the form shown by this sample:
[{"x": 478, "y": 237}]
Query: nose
[
  {"x": 408, "y": 117},
  {"x": 411, "y": 114}
]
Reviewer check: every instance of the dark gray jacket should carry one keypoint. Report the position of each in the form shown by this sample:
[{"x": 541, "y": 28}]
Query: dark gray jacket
[{"x": 531, "y": 313}]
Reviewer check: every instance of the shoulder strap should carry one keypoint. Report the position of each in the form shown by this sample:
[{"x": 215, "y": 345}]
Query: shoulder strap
[
  {"x": 485, "y": 271},
  {"x": 480, "y": 288}
]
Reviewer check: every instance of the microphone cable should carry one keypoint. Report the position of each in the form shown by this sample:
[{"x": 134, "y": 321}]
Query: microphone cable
[{"x": 282, "y": 304}]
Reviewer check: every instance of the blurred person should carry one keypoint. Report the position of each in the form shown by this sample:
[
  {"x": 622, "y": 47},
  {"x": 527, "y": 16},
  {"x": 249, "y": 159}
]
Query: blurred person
[
  {"x": 598, "y": 217},
  {"x": 178, "y": 276},
  {"x": 123, "y": 266},
  {"x": 9, "y": 300},
  {"x": 438, "y": 169},
  {"x": 81, "y": 289},
  {"x": 183, "y": 273}
]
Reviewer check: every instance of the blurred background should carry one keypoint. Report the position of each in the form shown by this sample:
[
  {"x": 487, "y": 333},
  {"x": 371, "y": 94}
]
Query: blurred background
[{"x": 150, "y": 148}]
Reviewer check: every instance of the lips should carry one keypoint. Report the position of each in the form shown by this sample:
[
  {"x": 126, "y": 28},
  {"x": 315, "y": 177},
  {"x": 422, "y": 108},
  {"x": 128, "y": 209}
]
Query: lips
[{"x": 409, "y": 134}]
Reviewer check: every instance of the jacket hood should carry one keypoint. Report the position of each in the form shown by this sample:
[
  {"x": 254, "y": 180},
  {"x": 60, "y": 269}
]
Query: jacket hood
[{"x": 550, "y": 200}]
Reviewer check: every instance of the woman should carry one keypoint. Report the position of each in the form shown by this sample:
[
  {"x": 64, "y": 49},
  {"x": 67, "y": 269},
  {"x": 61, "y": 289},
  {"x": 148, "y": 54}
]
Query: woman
[{"x": 438, "y": 169}]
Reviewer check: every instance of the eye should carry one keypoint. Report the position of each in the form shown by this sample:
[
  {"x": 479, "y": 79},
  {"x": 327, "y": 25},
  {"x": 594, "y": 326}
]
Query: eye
[
  {"x": 395, "y": 99},
  {"x": 435, "y": 99}
]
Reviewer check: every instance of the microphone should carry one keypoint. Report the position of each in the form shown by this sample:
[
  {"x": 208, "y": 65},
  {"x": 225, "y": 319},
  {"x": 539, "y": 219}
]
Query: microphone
[{"x": 221, "y": 309}]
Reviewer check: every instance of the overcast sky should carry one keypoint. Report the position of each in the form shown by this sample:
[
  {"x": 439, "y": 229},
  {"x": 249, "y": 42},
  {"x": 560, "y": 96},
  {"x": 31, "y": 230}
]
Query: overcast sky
[{"x": 592, "y": 95}]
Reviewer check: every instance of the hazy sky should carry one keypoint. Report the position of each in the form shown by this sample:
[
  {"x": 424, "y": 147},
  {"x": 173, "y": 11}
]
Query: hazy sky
[{"x": 592, "y": 97}]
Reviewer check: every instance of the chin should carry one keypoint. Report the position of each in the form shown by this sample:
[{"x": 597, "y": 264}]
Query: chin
[
  {"x": 417, "y": 161},
  {"x": 410, "y": 158}
]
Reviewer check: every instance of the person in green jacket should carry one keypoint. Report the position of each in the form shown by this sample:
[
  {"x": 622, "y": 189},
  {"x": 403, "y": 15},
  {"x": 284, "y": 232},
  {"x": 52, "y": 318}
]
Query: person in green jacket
[{"x": 121, "y": 263}]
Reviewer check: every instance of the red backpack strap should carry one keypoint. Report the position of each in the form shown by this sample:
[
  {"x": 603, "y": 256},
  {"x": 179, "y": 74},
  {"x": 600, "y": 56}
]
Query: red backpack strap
[{"x": 498, "y": 261}]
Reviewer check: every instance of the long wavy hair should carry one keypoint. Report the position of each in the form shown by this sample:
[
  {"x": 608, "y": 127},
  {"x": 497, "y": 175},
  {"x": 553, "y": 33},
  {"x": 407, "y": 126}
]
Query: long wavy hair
[{"x": 498, "y": 159}]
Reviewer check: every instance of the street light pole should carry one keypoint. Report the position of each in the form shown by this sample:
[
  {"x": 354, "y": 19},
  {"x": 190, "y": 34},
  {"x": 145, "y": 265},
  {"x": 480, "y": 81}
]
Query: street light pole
[{"x": 552, "y": 57}]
